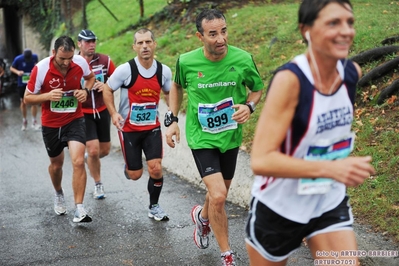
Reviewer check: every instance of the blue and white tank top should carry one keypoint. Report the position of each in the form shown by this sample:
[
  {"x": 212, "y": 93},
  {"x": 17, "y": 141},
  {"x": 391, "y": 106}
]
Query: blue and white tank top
[{"x": 318, "y": 117}]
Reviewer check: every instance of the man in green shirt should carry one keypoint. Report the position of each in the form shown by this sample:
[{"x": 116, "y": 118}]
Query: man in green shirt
[{"x": 223, "y": 87}]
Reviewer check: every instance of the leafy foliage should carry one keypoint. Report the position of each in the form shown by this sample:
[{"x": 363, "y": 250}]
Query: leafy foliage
[{"x": 44, "y": 16}]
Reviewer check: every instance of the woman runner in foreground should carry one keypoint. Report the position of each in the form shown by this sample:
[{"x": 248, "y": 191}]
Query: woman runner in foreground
[{"x": 302, "y": 143}]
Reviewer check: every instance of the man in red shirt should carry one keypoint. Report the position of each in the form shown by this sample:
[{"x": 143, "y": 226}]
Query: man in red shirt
[
  {"x": 98, "y": 120},
  {"x": 55, "y": 83}
]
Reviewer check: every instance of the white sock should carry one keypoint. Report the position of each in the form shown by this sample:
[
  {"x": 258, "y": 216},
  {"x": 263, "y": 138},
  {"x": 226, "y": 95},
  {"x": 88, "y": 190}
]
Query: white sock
[
  {"x": 202, "y": 220},
  {"x": 226, "y": 253}
]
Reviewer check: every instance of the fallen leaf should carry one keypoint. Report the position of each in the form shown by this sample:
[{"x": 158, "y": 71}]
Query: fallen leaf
[{"x": 392, "y": 99}]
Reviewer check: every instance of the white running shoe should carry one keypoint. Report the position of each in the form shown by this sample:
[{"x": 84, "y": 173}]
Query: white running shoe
[
  {"x": 99, "y": 192},
  {"x": 24, "y": 125},
  {"x": 202, "y": 230},
  {"x": 59, "y": 204},
  {"x": 157, "y": 213},
  {"x": 36, "y": 126},
  {"x": 81, "y": 216},
  {"x": 228, "y": 259}
]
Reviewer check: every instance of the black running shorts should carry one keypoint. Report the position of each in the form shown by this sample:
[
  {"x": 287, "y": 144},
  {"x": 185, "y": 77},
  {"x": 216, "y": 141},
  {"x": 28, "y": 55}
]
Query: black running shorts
[
  {"x": 21, "y": 91},
  {"x": 275, "y": 237},
  {"x": 211, "y": 161},
  {"x": 98, "y": 126},
  {"x": 134, "y": 143},
  {"x": 56, "y": 139}
]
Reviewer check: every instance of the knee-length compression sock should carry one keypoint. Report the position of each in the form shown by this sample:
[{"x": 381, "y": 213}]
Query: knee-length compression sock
[{"x": 154, "y": 189}]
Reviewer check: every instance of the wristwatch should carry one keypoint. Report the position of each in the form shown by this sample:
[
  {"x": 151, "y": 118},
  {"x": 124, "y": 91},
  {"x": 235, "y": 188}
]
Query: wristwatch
[
  {"x": 170, "y": 118},
  {"x": 252, "y": 106}
]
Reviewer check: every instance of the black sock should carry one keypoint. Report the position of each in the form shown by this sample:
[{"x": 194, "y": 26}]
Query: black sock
[{"x": 154, "y": 189}]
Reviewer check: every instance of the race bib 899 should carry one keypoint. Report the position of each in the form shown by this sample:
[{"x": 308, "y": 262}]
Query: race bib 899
[{"x": 215, "y": 118}]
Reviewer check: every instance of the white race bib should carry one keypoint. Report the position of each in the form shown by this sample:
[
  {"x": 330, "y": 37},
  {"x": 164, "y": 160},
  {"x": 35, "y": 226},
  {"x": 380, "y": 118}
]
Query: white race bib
[
  {"x": 216, "y": 117},
  {"x": 142, "y": 114},
  {"x": 67, "y": 104},
  {"x": 325, "y": 150}
]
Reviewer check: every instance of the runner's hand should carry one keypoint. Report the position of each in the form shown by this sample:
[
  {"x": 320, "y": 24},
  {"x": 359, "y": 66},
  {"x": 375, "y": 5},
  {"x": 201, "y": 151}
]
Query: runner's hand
[
  {"x": 98, "y": 85},
  {"x": 172, "y": 130},
  {"x": 117, "y": 121},
  {"x": 241, "y": 114},
  {"x": 352, "y": 171},
  {"x": 81, "y": 95},
  {"x": 55, "y": 95}
]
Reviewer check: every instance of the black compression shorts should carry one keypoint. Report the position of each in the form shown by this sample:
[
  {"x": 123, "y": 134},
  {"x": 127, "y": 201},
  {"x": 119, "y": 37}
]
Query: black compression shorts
[
  {"x": 210, "y": 161},
  {"x": 134, "y": 143}
]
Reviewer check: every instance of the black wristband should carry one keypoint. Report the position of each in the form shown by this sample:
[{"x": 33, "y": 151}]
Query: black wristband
[{"x": 87, "y": 90}]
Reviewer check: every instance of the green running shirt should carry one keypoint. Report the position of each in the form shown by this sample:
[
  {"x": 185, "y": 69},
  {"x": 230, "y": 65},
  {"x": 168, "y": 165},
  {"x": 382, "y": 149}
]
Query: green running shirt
[{"x": 212, "y": 87}]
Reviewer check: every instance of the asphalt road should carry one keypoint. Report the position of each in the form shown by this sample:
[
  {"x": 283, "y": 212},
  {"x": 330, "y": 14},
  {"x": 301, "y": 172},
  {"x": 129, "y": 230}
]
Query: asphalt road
[{"x": 121, "y": 233}]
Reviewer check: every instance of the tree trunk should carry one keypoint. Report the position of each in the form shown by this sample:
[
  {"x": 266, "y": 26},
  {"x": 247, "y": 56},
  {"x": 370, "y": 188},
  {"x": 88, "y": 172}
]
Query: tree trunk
[
  {"x": 109, "y": 11},
  {"x": 85, "y": 24},
  {"x": 374, "y": 54},
  {"x": 379, "y": 71},
  {"x": 141, "y": 2},
  {"x": 390, "y": 40},
  {"x": 388, "y": 91},
  {"x": 69, "y": 16}
]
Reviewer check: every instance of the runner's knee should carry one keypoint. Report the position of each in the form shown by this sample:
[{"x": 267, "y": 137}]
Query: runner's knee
[
  {"x": 155, "y": 168},
  {"x": 135, "y": 174}
]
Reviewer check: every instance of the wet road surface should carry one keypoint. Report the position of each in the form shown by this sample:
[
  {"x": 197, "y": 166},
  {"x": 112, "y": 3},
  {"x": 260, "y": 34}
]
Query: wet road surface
[{"x": 120, "y": 234}]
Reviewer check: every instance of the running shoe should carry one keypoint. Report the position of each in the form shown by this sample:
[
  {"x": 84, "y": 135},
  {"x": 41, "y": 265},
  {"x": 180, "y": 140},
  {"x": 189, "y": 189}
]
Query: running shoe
[
  {"x": 228, "y": 260},
  {"x": 99, "y": 192},
  {"x": 59, "y": 204},
  {"x": 81, "y": 216},
  {"x": 202, "y": 230},
  {"x": 157, "y": 213},
  {"x": 24, "y": 125},
  {"x": 36, "y": 126}
]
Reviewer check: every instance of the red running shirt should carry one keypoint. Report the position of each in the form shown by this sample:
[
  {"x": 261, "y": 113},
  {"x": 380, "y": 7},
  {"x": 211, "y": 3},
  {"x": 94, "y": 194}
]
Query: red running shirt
[{"x": 45, "y": 77}]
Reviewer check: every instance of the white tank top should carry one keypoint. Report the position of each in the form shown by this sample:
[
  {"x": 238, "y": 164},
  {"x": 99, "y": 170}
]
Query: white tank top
[{"x": 318, "y": 117}]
